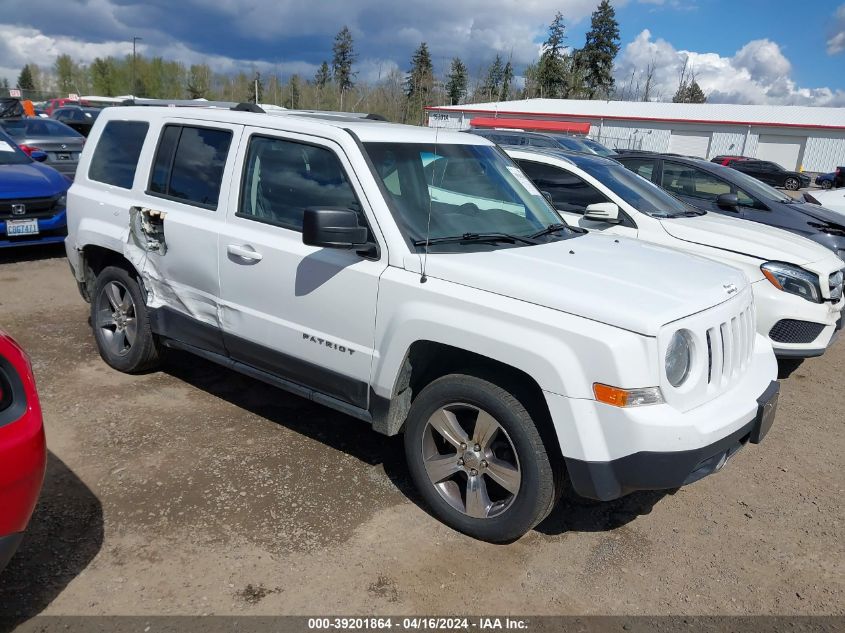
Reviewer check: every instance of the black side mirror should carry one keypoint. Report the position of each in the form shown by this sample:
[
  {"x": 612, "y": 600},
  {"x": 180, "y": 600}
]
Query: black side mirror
[
  {"x": 727, "y": 201},
  {"x": 333, "y": 228}
]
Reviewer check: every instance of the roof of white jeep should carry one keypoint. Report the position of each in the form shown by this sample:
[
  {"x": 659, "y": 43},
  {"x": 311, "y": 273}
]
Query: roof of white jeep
[{"x": 367, "y": 130}]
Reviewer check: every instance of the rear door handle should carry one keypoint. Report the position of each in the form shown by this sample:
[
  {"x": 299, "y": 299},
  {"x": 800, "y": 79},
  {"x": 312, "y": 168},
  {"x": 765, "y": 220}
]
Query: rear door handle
[{"x": 245, "y": 252}]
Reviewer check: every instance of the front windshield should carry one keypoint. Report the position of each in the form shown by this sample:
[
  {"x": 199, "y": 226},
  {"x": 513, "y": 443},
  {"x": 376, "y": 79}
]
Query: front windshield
[
  {"x": 468, "y": 189},
  {"x": 756, "y": 188},
  {"x": 10, "y": 154},
  {"x": 640, "y": 193}
]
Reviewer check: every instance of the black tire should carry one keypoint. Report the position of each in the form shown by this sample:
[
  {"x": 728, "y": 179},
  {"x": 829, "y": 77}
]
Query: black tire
[
  {"x": 792, "y": 184},
  {"x": 144, "y": 351},
  {"x": 540, "y": 481},
  {"x": 826, "y": 184}
]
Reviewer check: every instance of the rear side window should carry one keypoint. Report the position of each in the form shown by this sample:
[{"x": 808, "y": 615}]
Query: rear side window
[
  {"x": 689, "y": 181},
  {"x": 189, "y": 164},
  {"x": 641, "y": 166},
  {"x": 568, "y": 191},
  {"x": 283, "y": 178},
  {"x": 116, "y": 155}
]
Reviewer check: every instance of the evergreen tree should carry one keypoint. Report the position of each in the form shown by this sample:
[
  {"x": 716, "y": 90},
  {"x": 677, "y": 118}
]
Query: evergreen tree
[
  {"x": 4, "y": 84},
  {"x": 507, "y": 80},
  {"x": 595, "y": 60},
  {"x": 551, "y": 69},
  {"x": 493, "y": 82},
  {"x": 419, "y": 83},
  {"x": 456, "y": 84},
  {"x": 198, "y": 81},
  {"x": 256, "y": 89},
  {"x": 323, "y": 76},
  {"x": 343, "y": 56},
  {"x": 294, "y": 96},
  {"x": 25, "y": 80},
  {"x": 695, "y": 94}
]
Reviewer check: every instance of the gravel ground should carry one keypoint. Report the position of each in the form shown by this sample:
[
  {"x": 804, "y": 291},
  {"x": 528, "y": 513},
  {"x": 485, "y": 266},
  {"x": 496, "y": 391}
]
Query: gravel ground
[{"x": 195, "y": 490}]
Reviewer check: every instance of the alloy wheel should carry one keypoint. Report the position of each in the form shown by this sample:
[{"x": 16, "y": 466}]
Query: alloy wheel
[
  {"x": 792, "y": 184},
  {"x": 116, "y": 318},
  {"x": 471, "y": 461}
]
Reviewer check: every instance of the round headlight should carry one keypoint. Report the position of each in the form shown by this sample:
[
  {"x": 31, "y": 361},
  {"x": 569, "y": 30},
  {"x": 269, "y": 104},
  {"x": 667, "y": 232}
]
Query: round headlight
[{"x": 679, "y": 358}]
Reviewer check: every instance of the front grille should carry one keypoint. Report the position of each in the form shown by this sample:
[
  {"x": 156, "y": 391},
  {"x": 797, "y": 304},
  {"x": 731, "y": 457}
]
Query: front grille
[
  {"x": 792, "y": 331},
  {"x": 33, "y": 208},
  {"x": 730, "y": 346}
]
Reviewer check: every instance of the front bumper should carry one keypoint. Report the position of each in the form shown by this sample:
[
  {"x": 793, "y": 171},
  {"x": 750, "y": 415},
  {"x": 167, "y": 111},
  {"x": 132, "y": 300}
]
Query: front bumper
[
  {"x": 52, "y": 230},
  {"x": 775, "y": 306},
  {"x": 663, "y": 470}
]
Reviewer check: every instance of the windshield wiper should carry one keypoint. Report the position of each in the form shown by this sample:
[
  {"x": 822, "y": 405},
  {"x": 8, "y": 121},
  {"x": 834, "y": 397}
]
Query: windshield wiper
[
  {"x": 687, "y": 214},
  {"x": 476, "y": 237},
  {"x": 554, "y": 228}
]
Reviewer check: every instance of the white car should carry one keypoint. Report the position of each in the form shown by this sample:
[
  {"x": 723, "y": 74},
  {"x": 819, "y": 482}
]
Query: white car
[
  {"x": 797, "y": 283},
  {"x": 321, "y": 255},
  {"x": 833, "y": 199}
]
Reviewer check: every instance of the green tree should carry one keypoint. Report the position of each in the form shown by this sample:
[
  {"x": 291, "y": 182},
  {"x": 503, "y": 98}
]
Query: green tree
[
  {"x": 493, "y": 82},
  {"x": 456, "y": 84},
  {"x": 551, "y": 69},
  {"x": 66, "y": 72},
  {"x": 4, "y": 84},
  {"x": 418, "y": 84},
  {"x": 198, "y": 83},
  {"x": 507, "y": 81},
  {"x": 601, "y": 46},
  {"x": 103, "y": 76},
  {"x": 695, "y": 94},
  {"x": 256, "y": 88},
  {"x": 26, "y": 82},
  {"x": 343, "y": 56},
  {"x": 294, "y": 93},
  {"x": 323, "y": 76}
]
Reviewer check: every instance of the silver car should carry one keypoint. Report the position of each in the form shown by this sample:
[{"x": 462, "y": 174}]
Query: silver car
[{"x": 61, "y": 143}]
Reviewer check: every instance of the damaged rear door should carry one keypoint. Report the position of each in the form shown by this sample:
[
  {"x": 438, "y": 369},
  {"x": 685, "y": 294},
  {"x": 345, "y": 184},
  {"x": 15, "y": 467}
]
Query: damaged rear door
[{"x": 178, "y": 228}]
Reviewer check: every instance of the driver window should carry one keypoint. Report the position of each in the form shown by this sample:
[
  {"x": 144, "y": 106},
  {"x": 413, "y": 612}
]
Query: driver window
[{"x": 688, "y": 181}]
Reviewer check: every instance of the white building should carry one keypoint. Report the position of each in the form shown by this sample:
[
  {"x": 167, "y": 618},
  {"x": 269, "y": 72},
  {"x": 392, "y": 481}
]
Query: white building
[{"x": 797, "y": 137}]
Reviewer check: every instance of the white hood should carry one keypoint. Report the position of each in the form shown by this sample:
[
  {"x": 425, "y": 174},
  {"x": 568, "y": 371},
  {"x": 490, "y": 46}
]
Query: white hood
[
  {"x": 621, "y": 282},
  {"x": 749, "y": 238}
]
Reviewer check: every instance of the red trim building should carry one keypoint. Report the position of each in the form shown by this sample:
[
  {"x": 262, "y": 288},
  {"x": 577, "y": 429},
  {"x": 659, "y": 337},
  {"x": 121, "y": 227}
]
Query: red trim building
[{"x": 794, "y": 136}]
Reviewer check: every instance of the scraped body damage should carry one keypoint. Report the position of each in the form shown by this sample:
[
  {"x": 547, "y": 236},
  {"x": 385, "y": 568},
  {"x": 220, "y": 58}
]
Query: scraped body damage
[{"x": 165, "y": 255}]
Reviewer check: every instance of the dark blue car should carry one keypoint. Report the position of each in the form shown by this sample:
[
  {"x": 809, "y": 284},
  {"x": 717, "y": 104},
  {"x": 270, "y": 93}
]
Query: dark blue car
[
  {"x": 825, "y": 181},
  {"x": 32, "y": 198}
]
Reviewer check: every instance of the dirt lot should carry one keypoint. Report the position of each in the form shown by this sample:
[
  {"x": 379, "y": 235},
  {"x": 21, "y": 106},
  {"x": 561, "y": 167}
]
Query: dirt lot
[{"x": 195, "y": 490}]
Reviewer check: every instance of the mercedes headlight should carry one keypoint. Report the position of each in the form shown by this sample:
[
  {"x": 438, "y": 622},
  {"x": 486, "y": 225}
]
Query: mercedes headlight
[
  {"x": 793, "y": 280},
  {"x": 679, "y": 358}
]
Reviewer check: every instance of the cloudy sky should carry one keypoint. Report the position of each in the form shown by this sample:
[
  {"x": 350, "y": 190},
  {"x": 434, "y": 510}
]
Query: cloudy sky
[{"x": 747, "y": 51}]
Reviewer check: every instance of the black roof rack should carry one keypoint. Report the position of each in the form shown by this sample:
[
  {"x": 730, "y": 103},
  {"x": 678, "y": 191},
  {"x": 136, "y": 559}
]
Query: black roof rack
[{"x": 247, "y": 107}]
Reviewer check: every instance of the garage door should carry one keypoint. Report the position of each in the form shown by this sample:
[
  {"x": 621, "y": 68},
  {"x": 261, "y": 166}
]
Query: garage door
[
  {"x": 689, "y": 143},
  {"x": 783, "y": 150}
]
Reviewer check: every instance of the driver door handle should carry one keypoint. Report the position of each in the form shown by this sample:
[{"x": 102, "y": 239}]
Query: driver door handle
[{"x": 244, "y": 252}]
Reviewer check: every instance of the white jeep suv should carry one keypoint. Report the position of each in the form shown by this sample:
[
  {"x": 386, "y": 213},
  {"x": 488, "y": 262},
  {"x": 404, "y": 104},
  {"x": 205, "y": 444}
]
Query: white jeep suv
[
  {"x": 797, "y": 283},
  {"x": 416, "y": 280}
]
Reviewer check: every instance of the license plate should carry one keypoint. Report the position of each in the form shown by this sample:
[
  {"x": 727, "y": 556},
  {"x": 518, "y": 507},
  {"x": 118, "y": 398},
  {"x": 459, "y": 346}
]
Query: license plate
[
  {"x": 767, "y": 407},
  {"x": 21, "y": 227}
]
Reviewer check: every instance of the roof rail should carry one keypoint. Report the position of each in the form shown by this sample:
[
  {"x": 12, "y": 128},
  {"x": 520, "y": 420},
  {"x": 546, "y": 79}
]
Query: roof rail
[{"x": 248, "y": 107}]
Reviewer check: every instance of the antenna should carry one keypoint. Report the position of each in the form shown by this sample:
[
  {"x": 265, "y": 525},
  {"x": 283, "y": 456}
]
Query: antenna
[{"x": 423, "y": 278}]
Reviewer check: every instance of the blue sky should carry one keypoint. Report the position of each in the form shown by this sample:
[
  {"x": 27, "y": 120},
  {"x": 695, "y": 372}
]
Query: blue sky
[{"x": 746, "y": 51}]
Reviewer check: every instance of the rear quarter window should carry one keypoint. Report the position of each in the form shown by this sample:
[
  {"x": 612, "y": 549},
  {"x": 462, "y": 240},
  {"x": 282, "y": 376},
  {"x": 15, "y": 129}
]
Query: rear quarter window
[
  {"x": 115, "y": 158},
  {"x": 189, "y": 164}
]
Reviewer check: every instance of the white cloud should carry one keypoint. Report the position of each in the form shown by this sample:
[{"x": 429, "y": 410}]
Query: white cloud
[
  {"x": 758, "y": 73},
  {"x": 836, "y": 43}
]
